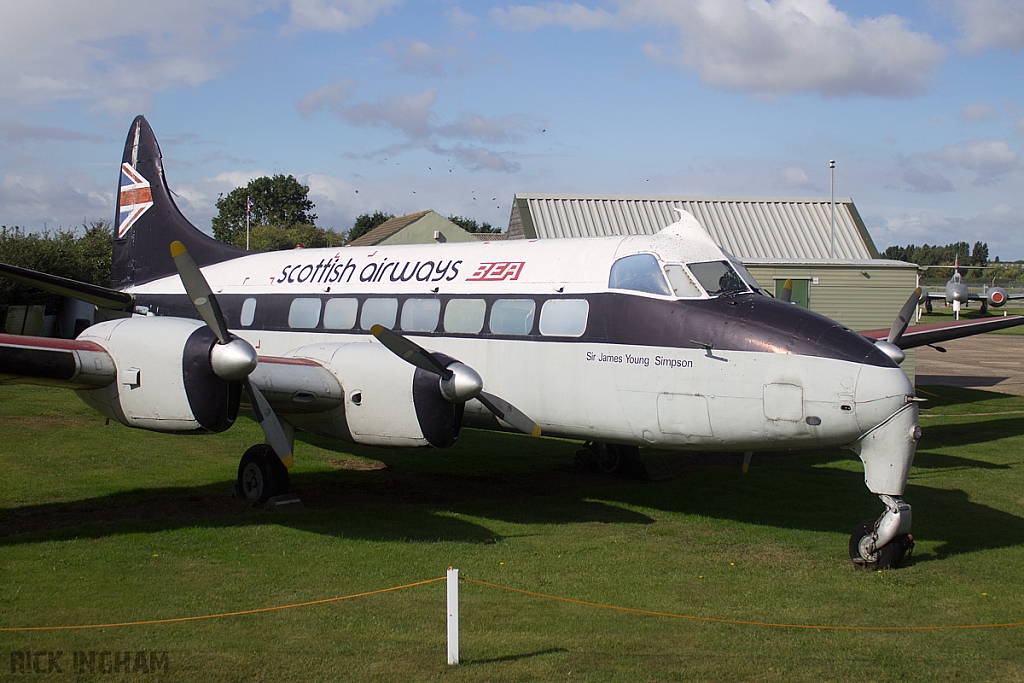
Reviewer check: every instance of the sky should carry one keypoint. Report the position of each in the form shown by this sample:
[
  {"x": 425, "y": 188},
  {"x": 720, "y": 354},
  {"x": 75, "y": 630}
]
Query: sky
[{"x": 401, "y": 106}]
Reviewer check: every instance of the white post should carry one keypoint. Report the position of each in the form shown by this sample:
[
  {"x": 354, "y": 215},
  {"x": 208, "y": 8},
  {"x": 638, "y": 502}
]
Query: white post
[{"x": 453, "y": 616}]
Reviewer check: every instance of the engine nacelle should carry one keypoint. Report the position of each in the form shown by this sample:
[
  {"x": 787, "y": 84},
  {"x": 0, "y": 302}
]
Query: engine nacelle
[
  {"x": 388, "y": 402},
  {"x": 165, "y": 381},
  {"x": 996, "y": 296}
]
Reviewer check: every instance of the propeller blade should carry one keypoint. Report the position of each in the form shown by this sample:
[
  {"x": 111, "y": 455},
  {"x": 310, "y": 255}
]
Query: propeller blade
[
  {"x": 410, "y": 351},
  {"x": 503, "y": 410},
  {"x": 899, "y": 326},
  {"x": 787, "y": 291},
  {"x": 273, "y": 430},
  {"x": 199, "y": 292},
  {"x": 416, "y": 355}
]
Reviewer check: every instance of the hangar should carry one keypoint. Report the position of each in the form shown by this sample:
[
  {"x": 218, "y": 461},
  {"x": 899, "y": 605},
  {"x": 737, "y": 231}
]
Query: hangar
[{"x": 833, "y": 262}]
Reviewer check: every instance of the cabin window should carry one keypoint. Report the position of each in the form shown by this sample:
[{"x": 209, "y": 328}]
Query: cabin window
[
  {"x": 564, "y": 317},
  {"x": 640, "y": 273},
  {"x": 248, "y": 312},
  {"x": 512, "y": 316},
  {"x": 682, "y": 284},
  {"x": 420, "y": 315},
  {"x": 718, "y": 278},
  {"x": 304, "y": 313},
  {"x": 340, "y": 314},
  {"x": 379, "y": 312},
  {"x": 465, "y": 316}
]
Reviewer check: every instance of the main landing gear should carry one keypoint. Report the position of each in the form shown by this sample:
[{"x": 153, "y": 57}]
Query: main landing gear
[
  {"x": 608, "y": 458},
  {"x": 261, "y": 475},
  {"x": 883, "y": 543}
]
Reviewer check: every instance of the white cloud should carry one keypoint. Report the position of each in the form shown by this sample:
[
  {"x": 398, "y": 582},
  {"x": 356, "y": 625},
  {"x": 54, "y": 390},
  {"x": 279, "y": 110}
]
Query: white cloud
[
  {"x": 990, "y": 24},
  {"x": 988, "y": 158},
  {"x": 339, "y": 16},
  {"x": 925, "y": 182},
  {"x": 419, "y": 58},
  {"x": 412, "y": 115},
  {"x": 979, "y": 111},
  {"x": 461, "y": 19},
  {"x": 532, "y": 17},
  {"x": 112, "y": 52},
  {"x": 39, "y": 198},
  {"x": 796, "y": 178},
  {"x": 14, "y": 133},
  {"x": 769, "y": 49}
]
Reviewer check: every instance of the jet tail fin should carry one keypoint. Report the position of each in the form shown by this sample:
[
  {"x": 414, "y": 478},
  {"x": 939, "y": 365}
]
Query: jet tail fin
[{"x": 148, "y": 220}]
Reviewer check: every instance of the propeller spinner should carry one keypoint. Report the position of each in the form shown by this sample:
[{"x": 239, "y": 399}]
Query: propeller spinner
[{"x": 232, "y": 358}]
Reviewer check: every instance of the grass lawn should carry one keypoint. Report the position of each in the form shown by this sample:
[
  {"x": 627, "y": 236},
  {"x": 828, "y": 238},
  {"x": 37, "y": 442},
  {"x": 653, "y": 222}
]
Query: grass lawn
[{"x": 103, "y": 524}]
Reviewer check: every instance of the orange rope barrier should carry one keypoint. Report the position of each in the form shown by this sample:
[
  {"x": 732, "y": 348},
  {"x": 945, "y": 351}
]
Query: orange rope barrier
[
  {"x": 218, "y": 616},
  {"x": 738, "y": 622}
]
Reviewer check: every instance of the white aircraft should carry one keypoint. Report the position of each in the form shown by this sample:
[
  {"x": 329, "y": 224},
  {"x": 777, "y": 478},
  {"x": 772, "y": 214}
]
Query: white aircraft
[
  {"x": 957, "y": 294},
  {"x": 662, "y": 341}
]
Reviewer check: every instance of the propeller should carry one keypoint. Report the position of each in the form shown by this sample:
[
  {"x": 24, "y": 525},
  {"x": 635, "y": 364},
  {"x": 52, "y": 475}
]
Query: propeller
[
  {"x": 890, "y": 345},
  {"x": 899, "y": 326},
  {"x": 787, "y": 291},
  {"x": 459, "y": 382},
  {"x": 232, "y": 358}
]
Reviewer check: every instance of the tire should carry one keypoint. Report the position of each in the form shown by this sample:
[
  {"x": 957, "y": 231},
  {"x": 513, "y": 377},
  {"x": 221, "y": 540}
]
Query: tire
[
  {"x": 889, "y": 556},
  {"x": 616, "y": 459},
  {"x": 262, "y": 475}
]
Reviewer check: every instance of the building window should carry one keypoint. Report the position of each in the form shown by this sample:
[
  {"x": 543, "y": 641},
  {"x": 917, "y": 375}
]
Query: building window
[{"x": 564, "y": 317}]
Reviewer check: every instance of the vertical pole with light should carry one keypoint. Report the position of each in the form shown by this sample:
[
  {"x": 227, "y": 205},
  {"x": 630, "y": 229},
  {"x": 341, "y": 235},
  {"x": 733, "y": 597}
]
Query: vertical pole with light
[{"x": 832, "y": 170}]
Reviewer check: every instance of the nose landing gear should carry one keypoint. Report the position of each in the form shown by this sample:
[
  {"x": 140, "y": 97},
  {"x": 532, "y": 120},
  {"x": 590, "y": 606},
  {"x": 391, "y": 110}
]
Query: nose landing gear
[{"x": 883, "y": 543}]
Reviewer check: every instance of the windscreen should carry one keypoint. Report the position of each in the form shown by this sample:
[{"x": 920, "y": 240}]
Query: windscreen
[{"x": 718, "y": 278}]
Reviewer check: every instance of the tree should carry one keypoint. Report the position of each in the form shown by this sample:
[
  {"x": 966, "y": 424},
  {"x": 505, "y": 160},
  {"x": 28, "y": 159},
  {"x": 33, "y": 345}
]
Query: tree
[
  {"x": 470, "y": 225},
  {"x": 62, "y": 252},
  {"x": 280, "y": 200},
  {"x": 365, "y": 223}
]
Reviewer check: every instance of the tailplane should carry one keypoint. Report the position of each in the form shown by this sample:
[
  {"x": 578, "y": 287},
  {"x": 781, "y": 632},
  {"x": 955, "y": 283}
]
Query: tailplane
[{"x": 148, "y": 220}]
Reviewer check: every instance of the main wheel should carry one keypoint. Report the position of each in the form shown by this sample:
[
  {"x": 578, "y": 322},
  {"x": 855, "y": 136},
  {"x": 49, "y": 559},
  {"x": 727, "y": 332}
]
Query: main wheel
[
  {"x": 262, "y": 475},
  {"x": 889, "y": 556}
]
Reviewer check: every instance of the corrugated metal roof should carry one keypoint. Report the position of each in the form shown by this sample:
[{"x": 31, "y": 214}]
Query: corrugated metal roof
[{"x": 747, "y": 227}]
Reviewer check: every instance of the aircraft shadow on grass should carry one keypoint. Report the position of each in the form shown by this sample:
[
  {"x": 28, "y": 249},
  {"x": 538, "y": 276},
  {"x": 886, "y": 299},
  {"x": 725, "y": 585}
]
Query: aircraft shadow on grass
[{"x": 404, "y": 501}]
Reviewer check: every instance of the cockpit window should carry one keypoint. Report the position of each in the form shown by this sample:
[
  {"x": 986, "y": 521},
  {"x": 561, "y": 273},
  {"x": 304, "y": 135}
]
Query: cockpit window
[
  {"x": 683, "y": 286},
  {"x": 639, "y": 272},
  {"x": 718, "y": 278},
  {"x": 747, "y": 277}
]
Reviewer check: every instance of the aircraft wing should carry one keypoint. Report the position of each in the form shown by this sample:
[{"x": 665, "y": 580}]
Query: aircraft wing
[
  {"x": 103, "y": 297},
  {"x": 933, "y": 333},
  {"x": 291, "y": 385}
]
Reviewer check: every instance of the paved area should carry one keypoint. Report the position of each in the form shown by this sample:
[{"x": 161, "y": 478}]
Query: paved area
[{"x": 994, "y": 362}]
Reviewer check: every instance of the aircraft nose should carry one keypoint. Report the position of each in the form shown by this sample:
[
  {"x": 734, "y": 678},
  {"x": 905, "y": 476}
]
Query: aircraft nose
[{"x": 881, "y": 392}]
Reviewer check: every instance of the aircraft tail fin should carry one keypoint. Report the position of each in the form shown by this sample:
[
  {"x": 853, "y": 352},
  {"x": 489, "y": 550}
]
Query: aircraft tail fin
[{"x": 148, "y": 220}]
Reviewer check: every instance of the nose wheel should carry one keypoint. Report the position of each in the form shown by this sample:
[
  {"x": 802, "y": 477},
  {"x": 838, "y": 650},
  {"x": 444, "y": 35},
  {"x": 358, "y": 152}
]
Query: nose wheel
[{"x": 865, "y": 553}]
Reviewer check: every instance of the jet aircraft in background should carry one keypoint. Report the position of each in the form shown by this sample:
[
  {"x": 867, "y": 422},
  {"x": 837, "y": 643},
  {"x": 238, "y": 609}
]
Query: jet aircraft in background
[
  {"x": 957, "y": 293},
  {"x": 646, "y": 340}
]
